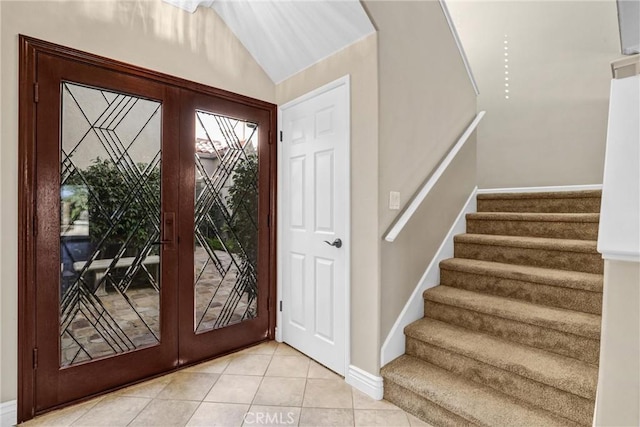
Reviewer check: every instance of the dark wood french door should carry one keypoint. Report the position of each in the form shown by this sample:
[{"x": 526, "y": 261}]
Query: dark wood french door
[
  {"x": 145, "y": 212},
  {"x": 225, "y": 203}
]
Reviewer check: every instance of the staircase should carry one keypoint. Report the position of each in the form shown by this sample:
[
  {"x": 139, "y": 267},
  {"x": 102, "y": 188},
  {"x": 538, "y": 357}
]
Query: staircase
[{"x": 511, "y": 336}]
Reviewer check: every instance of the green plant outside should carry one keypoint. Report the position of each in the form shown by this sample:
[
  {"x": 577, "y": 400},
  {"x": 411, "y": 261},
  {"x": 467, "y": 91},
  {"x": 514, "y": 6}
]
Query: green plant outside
[
  {"x": 122, "y": 208},
  {"x": 243, "y": 202}
]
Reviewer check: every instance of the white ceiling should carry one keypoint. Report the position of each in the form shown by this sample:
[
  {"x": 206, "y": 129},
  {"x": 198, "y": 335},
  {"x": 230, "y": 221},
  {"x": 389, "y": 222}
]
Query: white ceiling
[{"x": 285, "y": 37}]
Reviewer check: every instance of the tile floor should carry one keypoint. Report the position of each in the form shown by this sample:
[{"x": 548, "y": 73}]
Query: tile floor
[{"x": 269, "y": 384}]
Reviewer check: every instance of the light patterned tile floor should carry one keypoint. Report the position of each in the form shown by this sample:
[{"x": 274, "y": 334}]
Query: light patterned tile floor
[{"x": 270, "y": 384}]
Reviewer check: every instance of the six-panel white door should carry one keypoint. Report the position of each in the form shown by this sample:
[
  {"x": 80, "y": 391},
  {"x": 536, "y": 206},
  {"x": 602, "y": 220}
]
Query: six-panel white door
[{"x": 314, "y": 213}]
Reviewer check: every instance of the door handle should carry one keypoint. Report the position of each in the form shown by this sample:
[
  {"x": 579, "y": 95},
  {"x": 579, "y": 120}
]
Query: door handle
[
  {"x": 168, "y": 229},
  {"x": 337, "y": 243}
]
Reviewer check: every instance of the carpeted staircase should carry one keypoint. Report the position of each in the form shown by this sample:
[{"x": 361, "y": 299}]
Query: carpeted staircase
[{"x": 511, "y": 336}]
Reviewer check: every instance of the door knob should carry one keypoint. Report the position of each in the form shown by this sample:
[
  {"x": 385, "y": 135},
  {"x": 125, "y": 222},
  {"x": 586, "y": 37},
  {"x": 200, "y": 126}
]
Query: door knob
[{"x": 337, "y": 243}]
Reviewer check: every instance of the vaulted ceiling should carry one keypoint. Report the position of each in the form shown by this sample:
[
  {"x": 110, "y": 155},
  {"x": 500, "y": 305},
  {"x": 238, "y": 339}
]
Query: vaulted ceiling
[{"x": 285, "y": 37}]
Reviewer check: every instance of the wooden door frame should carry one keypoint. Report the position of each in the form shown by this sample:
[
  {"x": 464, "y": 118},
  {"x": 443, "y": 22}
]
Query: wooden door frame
[{"x": 29, "y": 49}]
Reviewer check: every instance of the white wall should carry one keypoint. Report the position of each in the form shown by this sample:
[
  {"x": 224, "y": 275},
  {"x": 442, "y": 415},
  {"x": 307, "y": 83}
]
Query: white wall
[
  {"x": 618, "y": 399},
  {"x": 552, "y": 129},
  {"x": 619, "y": 230},
  {"x": 148, "y": 33}
]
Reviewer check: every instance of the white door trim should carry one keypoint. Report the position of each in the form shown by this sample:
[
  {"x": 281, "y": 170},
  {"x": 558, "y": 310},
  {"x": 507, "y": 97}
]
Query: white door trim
[{"x": 343, "y": 81}]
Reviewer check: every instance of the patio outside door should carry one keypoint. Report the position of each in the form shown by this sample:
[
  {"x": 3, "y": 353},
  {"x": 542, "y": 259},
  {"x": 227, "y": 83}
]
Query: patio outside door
[{"x": 151, "y": 246}]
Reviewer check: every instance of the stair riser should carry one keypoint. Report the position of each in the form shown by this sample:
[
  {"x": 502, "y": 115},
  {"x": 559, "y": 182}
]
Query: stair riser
[
  {"x": 569, "y": 205},
  {"x": 552, "y": 296},
  {"x": 554, "y": 230},
  {"x": 560, "y": 402},
  {"x": 577, "y": 347},
  {"x": 562, "y": 260},
  {"x": 421, "y": 407}
]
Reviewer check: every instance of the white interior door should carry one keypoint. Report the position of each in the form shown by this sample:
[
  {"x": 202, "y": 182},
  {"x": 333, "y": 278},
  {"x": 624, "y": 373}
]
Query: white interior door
[{"x": 314, "y": 224}]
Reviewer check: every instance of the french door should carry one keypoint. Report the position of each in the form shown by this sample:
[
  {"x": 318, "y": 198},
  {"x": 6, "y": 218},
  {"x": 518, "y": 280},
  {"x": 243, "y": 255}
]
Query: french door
[
  {"x": 150, "y": 244},
  {"x": 227, "y": 226}
]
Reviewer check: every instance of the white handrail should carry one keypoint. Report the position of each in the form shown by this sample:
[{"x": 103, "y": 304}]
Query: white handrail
[
  {"x": 619, "y": 230},
  {"x": 419, "y": 197},
  {"x": 456, "y": 37}
]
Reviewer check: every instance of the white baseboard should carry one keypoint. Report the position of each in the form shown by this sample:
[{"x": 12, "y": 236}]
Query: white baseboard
[
  {"x": 9, "y": 413},
  {"x": 557, "y": 188},
  {"x": 413, "y": 310},
  {"x": 367, "y": 383}
]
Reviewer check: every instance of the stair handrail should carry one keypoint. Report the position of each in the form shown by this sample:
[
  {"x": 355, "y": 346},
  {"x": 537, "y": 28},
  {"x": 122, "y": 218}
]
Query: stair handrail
[
  {"x": 619, "y": 229},
  {"x": 405, "y": 215}
]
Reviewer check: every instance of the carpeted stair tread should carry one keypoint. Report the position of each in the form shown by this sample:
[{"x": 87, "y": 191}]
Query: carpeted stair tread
[
  {"x": 557, "y": 371},
  {"x": 560, "y": 202},
  {"x": 511, "y": 330},
  {"x": 552, "y": 399},
  {"x": 579, "y": 226},
  {"x": 568, "y": 321},
  {"x": 583, "y": 194},
  {"x": 535, "y": 217},
  {"x": 474, "y": 402},
  {"x": 543, "y": 286},
  {"x": 562, "y": 254},
  {"x": 565, "y": 245},
  {"x": 422, "y": 408},
  {"x": 546, "y": 276}
]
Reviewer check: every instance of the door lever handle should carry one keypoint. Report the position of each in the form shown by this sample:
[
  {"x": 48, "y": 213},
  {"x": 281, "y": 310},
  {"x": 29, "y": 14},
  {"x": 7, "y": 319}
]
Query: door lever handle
[
  {"x": 168, "y": 234},
  {"x": 337, "y": 243}
]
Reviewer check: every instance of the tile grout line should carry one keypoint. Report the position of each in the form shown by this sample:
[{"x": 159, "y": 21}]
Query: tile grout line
[
  {"x": 261, "y": 381},
  {"x": 263, "y": 377},
  {"x": 304, "y": 393},
  {"x": 140, "y": 411},
  {"x": 353, "y": 407},
  {"x": 207, "y": 393}
]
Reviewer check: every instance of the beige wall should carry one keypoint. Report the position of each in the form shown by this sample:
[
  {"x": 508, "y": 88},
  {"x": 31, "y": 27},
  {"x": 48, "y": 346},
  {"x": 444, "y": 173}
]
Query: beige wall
[
  {"x": 151, "y": 34},
  {"x": 552, "y": 129},
  {"x": 405, "y": 260},
  {"x": 426, "y": 102},
  {"x": 618, "y": 401},
  {"x": 360, "y": 62}
]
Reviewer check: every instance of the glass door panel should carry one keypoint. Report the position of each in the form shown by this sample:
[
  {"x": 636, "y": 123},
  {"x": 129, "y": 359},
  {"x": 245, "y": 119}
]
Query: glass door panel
[
  {"x": 226, "y": 221},
  {"x": 110, "y": 220},
  {"x": 225, "y": 165}
]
